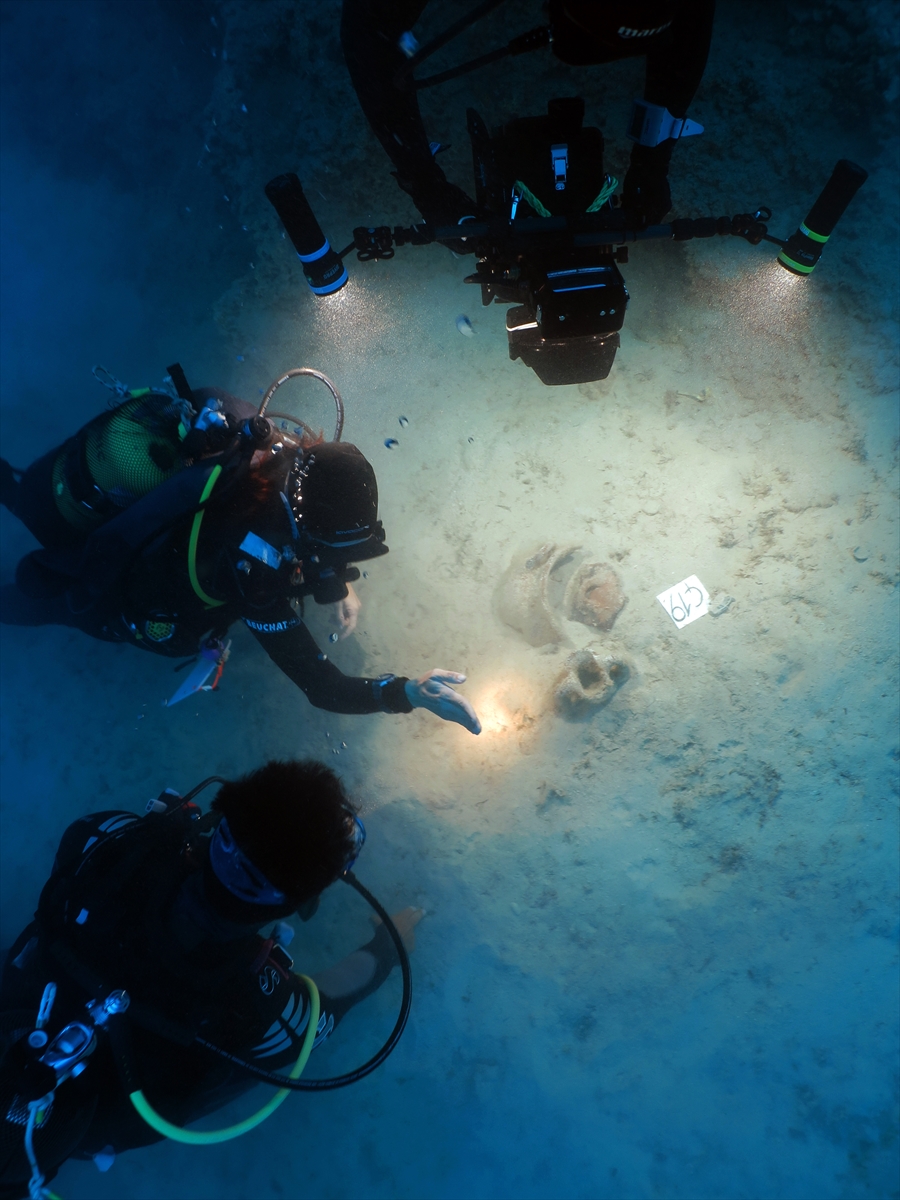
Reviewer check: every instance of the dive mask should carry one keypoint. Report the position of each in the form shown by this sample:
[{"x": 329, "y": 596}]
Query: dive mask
[
  {"x": 243, "y": 879},
  {"x": 236, "y": 872}
]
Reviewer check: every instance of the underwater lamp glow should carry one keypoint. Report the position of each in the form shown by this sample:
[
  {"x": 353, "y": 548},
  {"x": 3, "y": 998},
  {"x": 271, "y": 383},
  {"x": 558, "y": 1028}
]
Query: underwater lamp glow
[
  {"x": 324, "y": 271},
  {"x": 803, "y": 249}
]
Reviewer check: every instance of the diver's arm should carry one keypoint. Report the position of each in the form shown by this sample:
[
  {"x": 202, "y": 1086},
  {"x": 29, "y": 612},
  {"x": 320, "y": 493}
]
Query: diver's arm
[
  {"x": 370, "y": 31},
  {"x": 288, "y": 642},
  {"x": 345, "y": 613},
  {"x": 282, "y": 1010}
]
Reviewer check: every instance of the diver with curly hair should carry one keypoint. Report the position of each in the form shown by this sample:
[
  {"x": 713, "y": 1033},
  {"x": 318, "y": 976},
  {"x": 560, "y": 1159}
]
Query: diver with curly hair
[{"x": 159, "y": 921}]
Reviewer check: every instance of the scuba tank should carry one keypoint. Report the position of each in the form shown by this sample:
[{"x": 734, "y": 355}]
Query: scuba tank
[
  {"x": 54, "y": 1065},
  {"x": 140, "y": 442},
  {"x": 152, "y": 434},
  {"x": 166, "y": 462},
  {"x": 223, "y": 440},
  {"x": 123, "y": 453}
]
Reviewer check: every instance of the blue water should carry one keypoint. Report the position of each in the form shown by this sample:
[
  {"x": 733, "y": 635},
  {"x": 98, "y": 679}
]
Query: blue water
[{"x": 660, "y": 952}]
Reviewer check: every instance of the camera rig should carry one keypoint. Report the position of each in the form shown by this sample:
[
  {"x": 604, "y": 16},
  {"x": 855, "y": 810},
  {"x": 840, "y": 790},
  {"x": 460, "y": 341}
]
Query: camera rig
[{"x": 549, "y": 237}]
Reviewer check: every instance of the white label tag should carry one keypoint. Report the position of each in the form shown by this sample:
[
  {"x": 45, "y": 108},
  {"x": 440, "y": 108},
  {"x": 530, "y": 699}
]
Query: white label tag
[{"x": 686, "y": 601}]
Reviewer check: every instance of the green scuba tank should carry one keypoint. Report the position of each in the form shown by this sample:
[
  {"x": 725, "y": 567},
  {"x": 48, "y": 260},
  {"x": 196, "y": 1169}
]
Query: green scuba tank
[{"x": 120, "y": 456}]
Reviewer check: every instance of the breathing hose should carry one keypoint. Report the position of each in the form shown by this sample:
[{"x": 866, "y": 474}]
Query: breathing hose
[
  {"x": 339, "y": 1081},
  {"x": 294, "y": 373},
  {"x": 209, "y": 601},
  {"x": 291, "y": 1082},
  {"x": 210, "y": 1137}
]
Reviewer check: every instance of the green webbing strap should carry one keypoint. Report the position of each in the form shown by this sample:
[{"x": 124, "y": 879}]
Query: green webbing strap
[
  {"x": 195, "y": 537},
  {"x": 526, "y": 193},
  {"x": 604, "y": 194}
]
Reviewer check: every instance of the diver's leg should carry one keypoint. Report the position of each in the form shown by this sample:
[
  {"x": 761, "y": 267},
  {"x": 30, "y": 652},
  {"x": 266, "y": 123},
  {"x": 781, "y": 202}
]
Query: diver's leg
[
  {"x": 9, "y": 485},
  {"x": 19, "y": 608},
  {"x": 674, "y": 70},
  {"x": 369, "y": 36},
  {"x": 30, "y": 498}
]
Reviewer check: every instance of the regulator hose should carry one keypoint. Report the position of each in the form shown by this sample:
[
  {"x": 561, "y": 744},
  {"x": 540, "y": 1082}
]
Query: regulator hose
[
  {"x": 295, "y": 373},
  {"x": 339, "y": 1081},
  {"x": 211, "y": 1137}
]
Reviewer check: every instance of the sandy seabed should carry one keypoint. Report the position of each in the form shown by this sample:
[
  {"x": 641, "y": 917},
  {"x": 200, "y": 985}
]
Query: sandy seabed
[{"x": 660, "y": 952}]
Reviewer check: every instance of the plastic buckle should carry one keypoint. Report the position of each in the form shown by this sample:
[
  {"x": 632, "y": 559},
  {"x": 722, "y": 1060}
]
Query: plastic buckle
[
  {"x": 559, "y": 160},
  {"x": 652, "y": 124}
]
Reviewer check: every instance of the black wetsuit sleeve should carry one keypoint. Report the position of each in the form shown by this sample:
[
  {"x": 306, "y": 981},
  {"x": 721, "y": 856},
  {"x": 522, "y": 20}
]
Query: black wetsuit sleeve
[
  {"x": 676, "y": 65},
  {"x": 290, "y": 645},
  {"x": 283, "y": 1007},
  {"x": 370, "y": 30}
]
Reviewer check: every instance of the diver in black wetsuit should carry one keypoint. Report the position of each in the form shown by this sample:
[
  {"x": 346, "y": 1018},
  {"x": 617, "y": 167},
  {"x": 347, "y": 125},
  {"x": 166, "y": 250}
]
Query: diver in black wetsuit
[
  {"x": 673, "y": 34},
  {"x": 164, "y": 521},
  {"x": 159, "y": 908}
]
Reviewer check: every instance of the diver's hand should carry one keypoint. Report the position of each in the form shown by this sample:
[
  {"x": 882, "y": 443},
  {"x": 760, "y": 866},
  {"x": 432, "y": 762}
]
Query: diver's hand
[
  {"x": 405, "y": 923},
  {"x": 433, "y": 692},
  {"x": 345, "y": 613}
]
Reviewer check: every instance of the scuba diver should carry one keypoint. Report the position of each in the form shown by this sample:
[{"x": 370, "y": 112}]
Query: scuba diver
[
  {"x": 674, "y": 35},
  {"x": 179, "y": 511},
  {"x": 145, "y": 977}
]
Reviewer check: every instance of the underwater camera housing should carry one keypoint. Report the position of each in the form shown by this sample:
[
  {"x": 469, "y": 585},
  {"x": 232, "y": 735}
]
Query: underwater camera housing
[
  {"x": 569, "y": 301},
  {"x": 548, "y": 237}
]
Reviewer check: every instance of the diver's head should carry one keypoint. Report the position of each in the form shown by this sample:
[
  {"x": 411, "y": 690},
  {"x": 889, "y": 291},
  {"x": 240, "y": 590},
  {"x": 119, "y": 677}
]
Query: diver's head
[
  {"x": 333, "y": 495},
  {"x": 325, "y": 491},
  {"x": 288, "y": 831},
  {"x": 311, "y": 502}
]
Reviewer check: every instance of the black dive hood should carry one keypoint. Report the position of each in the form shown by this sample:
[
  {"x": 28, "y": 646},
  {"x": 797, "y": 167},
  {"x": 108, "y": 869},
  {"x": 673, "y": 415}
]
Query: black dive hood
[
  {"x": 328, "y": 496},
  {"x": 333, "y": 495}
]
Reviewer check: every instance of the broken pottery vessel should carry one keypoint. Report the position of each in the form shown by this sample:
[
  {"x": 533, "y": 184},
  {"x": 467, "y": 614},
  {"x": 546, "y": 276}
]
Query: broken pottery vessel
[
  {"x": 595, "y": 595},
  {"x": 522, "y": 595},
  {"x": 587, "y": 683}
]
